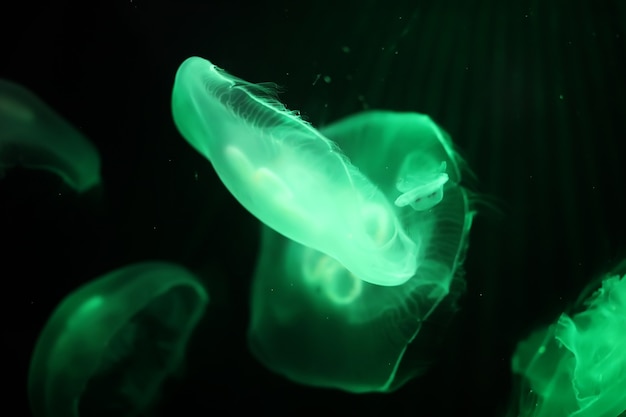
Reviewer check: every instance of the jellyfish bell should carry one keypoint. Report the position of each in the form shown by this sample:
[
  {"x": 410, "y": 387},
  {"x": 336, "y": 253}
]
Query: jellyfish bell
[
  {"x": 576, "y": 366},
  {"x": 32, "y": 135},
  {"x": 288, "y": 174},
  {"x": 345, "y": 277},
  {"x": 110, "y": 345},
  {"x": 314, "y": 321}
]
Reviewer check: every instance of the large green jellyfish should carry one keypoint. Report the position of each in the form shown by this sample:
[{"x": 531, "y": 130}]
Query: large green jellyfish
[
  {"x": 318, "y": 323},
  {"x": 109, "y": 346},
  {"x": 577, "y": 366},
  {"x": 364, "y": 234},
  {"x": 34, "y": 136},
  {"x": 294, "y": 179}
]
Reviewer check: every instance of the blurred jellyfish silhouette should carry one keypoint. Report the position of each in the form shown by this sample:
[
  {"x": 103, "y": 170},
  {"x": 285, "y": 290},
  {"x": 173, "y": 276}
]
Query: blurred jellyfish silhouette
[
  {"x": 576, "y": 367},
  {"x": 109, "y": 346},
  {"x": 32, "y": 135}
]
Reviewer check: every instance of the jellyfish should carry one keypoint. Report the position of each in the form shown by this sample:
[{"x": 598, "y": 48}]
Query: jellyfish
[
  {"x": 364, "y": 226},
  {"x": 576, "y": 367},
  {"x": 421, "y": 186},
  {"x": 32, "y": 135},
  {"x": 318, "y": 323},
  {"x": 109, "y": 346},
  {"x": 291, "y": 177}
]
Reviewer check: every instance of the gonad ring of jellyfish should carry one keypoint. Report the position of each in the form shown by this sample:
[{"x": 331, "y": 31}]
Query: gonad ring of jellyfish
[{"x": 365, "y": 227}]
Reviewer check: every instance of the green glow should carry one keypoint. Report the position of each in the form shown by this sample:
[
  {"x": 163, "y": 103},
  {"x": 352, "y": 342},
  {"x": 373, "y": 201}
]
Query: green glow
[
  {"x": 291, "y": 177},
  {"x": 577, "y": 366},
  {"x": 33, "y": 135},
  {"x": 315, "y": 321},
  {"x": 110, "y": 344},
  {"x": 365, "y": 234},
  {"x": 420, "y": 183}
]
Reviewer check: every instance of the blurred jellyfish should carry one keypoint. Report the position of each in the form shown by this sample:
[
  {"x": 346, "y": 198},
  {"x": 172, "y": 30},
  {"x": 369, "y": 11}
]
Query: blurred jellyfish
[
  {"x": 108, "y": 347},
  {"x": 577, "y": 366},
  {"x": 34, "y": 136}
]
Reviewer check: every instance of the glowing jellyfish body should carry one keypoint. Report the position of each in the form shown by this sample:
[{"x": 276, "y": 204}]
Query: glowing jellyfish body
[
  {"x": 315, "y": 321},
  {"x": 361, "y": 243},
  {"x": 34, "y": 136},
  {"x": 109, "y": 346},
  {"x": 290, "y": 176},
  {"x": 577, "y": 366}
]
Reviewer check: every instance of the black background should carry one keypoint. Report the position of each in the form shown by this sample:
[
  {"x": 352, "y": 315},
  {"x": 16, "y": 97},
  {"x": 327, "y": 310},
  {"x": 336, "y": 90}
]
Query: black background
[{"x": 533, "y": 94}]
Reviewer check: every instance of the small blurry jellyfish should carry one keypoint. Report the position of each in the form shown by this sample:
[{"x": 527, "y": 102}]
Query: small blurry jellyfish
[
  {"x": 577, "y": 366},
  {"x": 34, "y": 136},
  {"x": 421, "y": 186},
  {"x": 109, "y": 346},
  {"x": 317, "y": 322},
  {"x": 295, "y": 180}
]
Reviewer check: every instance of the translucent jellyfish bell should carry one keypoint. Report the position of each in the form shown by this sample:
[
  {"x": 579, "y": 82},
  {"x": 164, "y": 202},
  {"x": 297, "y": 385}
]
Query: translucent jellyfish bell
[
  {"x": 577, "y": 366},
  {"x": 315, "y": 321},
  {"x": 34, "y": 136},
  {"x": 289, "y": 175},
  {"x": 109, "y": 345}
]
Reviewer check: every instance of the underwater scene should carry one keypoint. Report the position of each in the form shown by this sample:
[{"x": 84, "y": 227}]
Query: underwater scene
[{"x": 401, "y": 208}]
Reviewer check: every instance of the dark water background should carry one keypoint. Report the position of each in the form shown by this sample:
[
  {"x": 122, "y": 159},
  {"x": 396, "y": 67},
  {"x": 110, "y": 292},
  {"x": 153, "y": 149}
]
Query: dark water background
[{"x": 532, "y": 92}]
